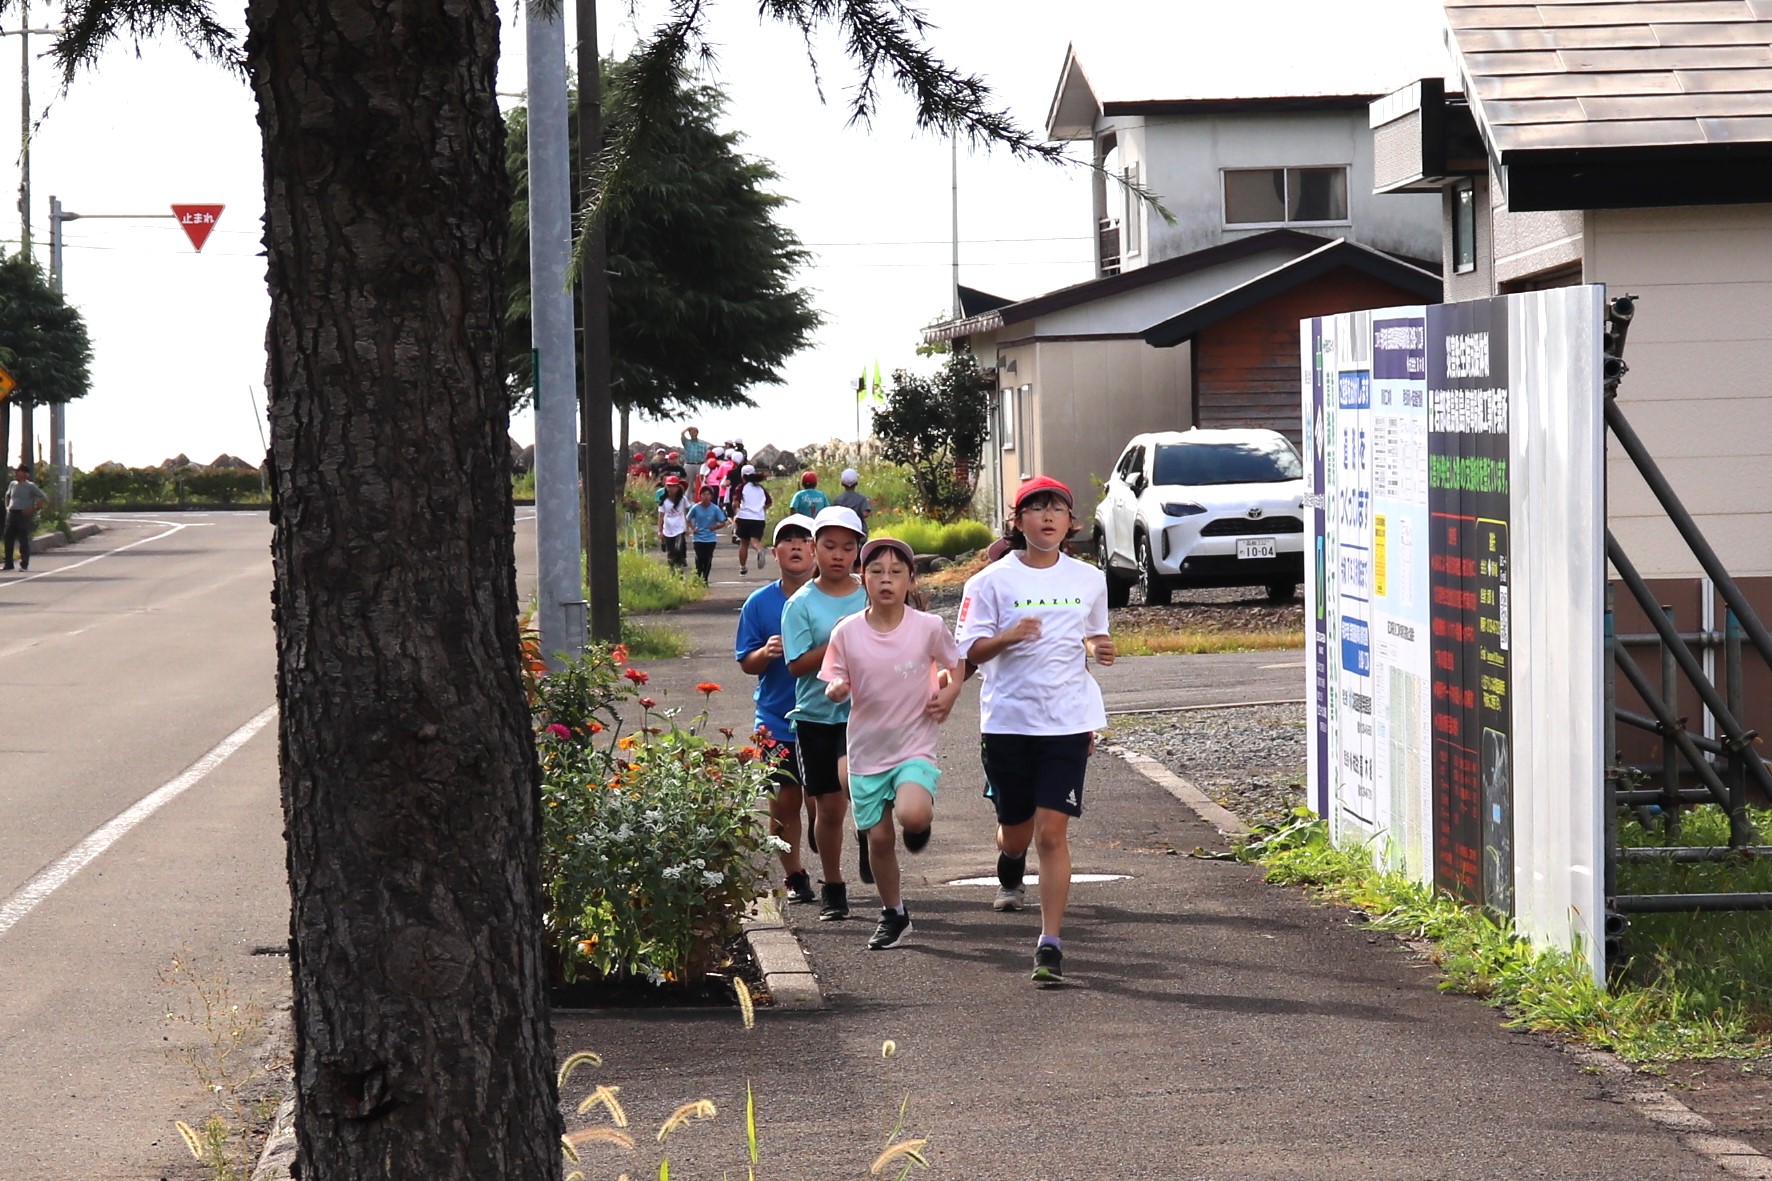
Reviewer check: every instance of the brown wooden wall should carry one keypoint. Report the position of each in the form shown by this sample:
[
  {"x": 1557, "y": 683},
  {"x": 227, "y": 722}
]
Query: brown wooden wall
[{"x": 1246, "y": 366}]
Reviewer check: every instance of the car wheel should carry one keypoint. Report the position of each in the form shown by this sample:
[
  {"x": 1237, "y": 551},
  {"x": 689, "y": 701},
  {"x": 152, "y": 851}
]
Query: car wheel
[
  {"x": 1119, "y": 591},
  {"x": 1152, "y": 591},
  {"x": 1281, "y": 592}
]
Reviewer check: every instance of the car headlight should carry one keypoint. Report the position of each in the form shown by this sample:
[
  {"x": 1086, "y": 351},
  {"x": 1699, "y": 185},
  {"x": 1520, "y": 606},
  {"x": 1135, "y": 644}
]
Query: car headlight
[{"x": 1182, "y": 509}]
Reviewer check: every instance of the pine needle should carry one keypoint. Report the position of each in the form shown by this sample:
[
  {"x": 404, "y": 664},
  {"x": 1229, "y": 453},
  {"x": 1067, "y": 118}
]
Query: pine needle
[{"x": 912, "y": 1149}]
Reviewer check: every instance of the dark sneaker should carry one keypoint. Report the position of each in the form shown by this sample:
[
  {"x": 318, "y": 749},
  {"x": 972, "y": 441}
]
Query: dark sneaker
[
  {"x": 836, "y": 902},
  {"x": 892, "y": 930},
  {"x": 1048, "y": 964},
  {"x": 915, "y": 840},
  {"x": 867, "y": 869},
  {"x": 742, "y": 570},
  {"x": 799, "y": 886},
  {"x": 1009, "y": 898}
]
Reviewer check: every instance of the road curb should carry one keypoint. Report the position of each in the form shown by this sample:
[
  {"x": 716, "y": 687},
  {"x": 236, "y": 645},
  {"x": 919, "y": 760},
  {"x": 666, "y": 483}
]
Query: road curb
[
  {"x": 786, "y": 972},
  {"x": 57, "y": 539},
  {"x": 1693, "y": 1131},
  {"x": 1225, "y": 821}
]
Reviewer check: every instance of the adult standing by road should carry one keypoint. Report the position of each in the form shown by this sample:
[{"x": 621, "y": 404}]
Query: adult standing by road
[
  {"x": 695, "y": 448},
  {"x": 23, "y": 499}
]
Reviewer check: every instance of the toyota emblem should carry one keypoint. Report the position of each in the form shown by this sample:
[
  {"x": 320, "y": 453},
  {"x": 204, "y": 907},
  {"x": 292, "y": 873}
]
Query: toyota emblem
[{"x": 1255, "y": 512}]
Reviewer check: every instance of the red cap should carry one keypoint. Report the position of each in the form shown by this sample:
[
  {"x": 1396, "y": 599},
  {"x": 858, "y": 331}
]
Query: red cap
[
  {"x": 808, "y": 479},
  {"x": 1044, "y": 484},
  {"x": 673, "y": 481},
  {"x": 675, "y": 455}
]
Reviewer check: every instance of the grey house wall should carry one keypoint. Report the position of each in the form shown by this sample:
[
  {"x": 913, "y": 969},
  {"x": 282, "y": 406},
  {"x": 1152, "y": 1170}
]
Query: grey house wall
[{"x": 1181, "y": 157}]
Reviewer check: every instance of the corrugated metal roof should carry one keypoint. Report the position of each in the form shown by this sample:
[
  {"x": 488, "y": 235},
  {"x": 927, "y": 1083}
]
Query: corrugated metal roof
[{"x": 1598, "y": 74}]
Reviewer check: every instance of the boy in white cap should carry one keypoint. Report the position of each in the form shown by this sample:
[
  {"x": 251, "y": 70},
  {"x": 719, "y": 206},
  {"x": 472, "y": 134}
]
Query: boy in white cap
[
  {"x": 850, "y": 498},
  {"x": 898, "y": 669},
  {"x": 759, "y": 653},
  {"x": 820, "y": 724},
  {"x": 1030, "y": 622}
]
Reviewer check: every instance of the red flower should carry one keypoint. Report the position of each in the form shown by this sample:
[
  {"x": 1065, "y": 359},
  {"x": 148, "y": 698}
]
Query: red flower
[
  {"x": 707, "y": 687},
  {"x": 619, "y": 654},
  {"x": 647, "y": 703},
  {"x": 748, "y": 753},
  {"x": 636, "y": 676},
  {"x": 595, "y": 727},
  {"x": 559, "y": 731}
]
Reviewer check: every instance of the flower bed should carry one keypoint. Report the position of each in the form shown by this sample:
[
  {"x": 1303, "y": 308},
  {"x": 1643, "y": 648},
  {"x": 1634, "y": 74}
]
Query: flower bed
[{"x": 653, "y": 844}]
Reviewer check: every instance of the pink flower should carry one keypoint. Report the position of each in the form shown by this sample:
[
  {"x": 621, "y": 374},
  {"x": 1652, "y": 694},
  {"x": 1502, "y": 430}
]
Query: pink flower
[
  {"x": 559, "y": 731},
  {"x": 647, "y": 703}
]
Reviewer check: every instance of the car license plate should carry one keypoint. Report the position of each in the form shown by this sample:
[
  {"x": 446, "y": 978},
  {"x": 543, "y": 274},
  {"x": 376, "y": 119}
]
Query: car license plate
[{"x": 1255, "y": 547}]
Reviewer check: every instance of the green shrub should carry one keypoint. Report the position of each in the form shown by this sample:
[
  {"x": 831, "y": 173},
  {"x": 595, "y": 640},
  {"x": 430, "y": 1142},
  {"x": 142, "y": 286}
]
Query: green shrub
[
  {"x": 652, "y": 844},
  {"x": 222, "y": 486},
  {"x": 139, "y": 485},
  {"x": 927, "y": 537}
]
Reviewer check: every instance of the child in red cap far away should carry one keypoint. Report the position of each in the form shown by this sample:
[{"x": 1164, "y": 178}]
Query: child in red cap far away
[
  {"x": 1030, "y": 623},
  {"x": 809, "y": 501},
  {"x": 673, "y": 521},
  {"x": 898, "y": 669}
]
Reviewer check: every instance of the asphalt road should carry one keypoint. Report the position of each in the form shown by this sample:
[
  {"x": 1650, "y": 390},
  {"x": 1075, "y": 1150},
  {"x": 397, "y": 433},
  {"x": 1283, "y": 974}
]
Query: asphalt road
[{"x": 140, "y": 661}]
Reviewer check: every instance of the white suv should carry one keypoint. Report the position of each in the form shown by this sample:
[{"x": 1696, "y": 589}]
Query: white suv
[{"x": 1202, "y": 508}]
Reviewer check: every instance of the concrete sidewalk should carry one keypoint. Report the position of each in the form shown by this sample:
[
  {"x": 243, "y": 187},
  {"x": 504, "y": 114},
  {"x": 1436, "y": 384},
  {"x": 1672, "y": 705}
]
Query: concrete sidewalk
[{"x": 1213, "y": 1026}]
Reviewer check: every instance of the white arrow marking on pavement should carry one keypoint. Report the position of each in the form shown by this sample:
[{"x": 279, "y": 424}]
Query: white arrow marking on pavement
[{"x": 51, "y": 878}]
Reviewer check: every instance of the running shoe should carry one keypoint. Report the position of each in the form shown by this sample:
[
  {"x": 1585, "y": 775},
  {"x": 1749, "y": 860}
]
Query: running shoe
[
  {"x": 836, "y": 902},
  {"x": 762, "y": 559},
  {"x": 1010, "y": 898},
  {"x": 867, "y": 869},
  {"x": 1048, "y": 964},
  {"x": 799, "y": 887},
  {"x": 892, "y": 930},
  {"x": 916, "y": 839},
  {"x": 742, "y": 570}
]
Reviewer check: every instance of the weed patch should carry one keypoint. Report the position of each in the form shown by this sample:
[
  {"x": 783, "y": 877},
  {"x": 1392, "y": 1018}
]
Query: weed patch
[
  {"x": 1682, "y": 993},
  {"x": 224, "y": 1053},
  {"x": 649, "y": 584},
  {"x": 1158, "y": 641}
]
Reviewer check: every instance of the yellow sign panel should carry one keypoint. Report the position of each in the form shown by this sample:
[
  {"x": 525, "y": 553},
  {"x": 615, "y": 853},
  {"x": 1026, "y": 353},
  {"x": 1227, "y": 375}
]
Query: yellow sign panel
[
  {"x": 7, "y": 384},
  {"x": 1378, "y": 557}
]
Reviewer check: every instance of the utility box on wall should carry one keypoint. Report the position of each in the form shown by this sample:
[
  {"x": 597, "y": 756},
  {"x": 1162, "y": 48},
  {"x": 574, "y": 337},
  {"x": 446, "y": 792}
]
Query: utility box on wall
[{"x": 1455, "y": 479}]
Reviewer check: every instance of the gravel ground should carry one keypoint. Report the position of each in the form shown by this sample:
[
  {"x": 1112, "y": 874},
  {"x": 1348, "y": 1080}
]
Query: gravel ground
[
  {"x": 1250, "y": 760},
  {"x": 1223, "y": 609}
]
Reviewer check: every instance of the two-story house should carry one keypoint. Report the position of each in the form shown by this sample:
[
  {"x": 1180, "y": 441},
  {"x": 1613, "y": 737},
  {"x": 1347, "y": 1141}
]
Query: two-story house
[{"x": 1263, "y": 213}]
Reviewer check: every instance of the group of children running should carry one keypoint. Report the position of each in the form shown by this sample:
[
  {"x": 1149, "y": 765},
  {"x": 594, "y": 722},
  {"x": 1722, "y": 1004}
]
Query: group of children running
[{"x": 854, "y": 681}]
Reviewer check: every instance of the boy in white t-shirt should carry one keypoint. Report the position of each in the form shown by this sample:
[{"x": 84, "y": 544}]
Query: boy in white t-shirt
[
  {"x": 750, "y": 508},
  {"x": 898, "y": 669},
  {"x": 1029, "y": 622}
]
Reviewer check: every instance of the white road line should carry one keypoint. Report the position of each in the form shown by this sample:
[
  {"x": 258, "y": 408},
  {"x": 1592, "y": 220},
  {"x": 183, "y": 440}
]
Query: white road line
[
  {"x": 173, "y": 527},
  {"x": 56, "y": 875}
]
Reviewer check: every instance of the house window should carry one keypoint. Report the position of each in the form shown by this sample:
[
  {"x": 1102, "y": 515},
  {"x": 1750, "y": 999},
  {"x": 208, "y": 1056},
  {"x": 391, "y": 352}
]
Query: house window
[
  {"x": 1464, "y": 228},
  {"x": 1132, "y": 224},
  {"x": 1284, "y": 196},
  {"x": 1006, "y": 413}
]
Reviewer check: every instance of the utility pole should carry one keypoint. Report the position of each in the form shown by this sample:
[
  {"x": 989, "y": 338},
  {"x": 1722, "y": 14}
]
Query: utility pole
[
  {"x": 560, "y": 591},
  {"x": 603, "y": 587},
  {"x": 24, "y": 33},
  {"x": 954, "y": 182}
]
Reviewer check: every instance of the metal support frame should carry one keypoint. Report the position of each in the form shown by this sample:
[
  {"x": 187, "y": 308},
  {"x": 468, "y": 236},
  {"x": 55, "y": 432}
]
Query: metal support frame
[{"x": 1721, "y": 765}]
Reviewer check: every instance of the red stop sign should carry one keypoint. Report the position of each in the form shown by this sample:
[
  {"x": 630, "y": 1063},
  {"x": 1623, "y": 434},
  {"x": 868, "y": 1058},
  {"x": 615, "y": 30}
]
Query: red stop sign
[{"x": 197, "y": 221}]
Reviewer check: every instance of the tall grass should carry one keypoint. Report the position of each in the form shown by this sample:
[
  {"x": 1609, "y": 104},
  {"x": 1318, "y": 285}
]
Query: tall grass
[
  {"x": 649, "y": 584},
  {"x": 927, "y": 537},
  {"x": 1693, "y": 986}
]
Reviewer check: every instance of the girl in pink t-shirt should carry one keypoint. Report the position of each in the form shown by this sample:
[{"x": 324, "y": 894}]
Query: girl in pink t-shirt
[{"x": 896, "y": 666}]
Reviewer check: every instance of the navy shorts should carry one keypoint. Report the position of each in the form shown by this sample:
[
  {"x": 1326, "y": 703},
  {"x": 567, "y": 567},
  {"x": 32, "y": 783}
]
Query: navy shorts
[
  {"x": 819, "y": 745},
  {"x": 1028, "y": 771},
  {"x": 744, "y": 527}
]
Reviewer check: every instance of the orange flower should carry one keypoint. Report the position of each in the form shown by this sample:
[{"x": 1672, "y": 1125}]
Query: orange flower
[
  {"x": 636, "y": 676},
  {"x": 619, "y": 654},
  {"x": 748, "y": 753},
  {"x": 628, "y": 742},
  {"x": 707, "y": 687},
  {"x": 595, "y": 727}
]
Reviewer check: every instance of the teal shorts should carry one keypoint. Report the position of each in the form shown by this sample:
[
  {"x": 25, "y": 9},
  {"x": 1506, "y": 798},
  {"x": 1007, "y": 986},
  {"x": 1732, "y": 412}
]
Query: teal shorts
[{"x": 869, "y": 794}]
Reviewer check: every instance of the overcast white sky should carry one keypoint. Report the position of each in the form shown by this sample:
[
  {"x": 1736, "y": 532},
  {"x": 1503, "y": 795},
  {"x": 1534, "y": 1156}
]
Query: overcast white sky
[{"x": 179, "y": 336}]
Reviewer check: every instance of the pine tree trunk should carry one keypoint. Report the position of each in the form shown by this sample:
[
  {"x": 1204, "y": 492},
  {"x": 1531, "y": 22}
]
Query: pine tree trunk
[
  {"x": 25, "y": 458},
  {"x": 408, "y": 773}
]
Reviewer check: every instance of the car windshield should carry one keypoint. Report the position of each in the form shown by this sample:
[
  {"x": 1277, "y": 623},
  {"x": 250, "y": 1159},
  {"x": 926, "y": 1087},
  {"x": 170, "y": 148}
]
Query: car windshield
[{"x": 1258, "y": 461}]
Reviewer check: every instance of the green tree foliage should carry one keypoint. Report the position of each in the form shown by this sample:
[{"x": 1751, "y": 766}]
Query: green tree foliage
[
  {"x": 936, "y": 426},
  {"x": 43, "y": 341},
  {"x": 701, "y": 299}
]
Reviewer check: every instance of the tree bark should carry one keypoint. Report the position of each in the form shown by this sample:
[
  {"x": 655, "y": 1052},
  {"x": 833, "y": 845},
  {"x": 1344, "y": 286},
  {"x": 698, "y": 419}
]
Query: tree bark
[{"x": 408, "y": 771}]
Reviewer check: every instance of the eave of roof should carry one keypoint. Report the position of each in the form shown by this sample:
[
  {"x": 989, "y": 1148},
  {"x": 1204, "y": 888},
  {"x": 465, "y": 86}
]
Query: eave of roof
[
  {"x": 1333, "y": 256},
  {"x": 1110, "y": 285}
]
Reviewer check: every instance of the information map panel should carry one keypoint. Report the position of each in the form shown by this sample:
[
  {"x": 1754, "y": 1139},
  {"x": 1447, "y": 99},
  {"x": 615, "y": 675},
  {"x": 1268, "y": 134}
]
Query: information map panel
[{"x": 1429, "y": 430}]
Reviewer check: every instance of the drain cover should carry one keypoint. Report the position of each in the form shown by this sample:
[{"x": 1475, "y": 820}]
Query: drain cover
[{"x": 1033, "y": 879}]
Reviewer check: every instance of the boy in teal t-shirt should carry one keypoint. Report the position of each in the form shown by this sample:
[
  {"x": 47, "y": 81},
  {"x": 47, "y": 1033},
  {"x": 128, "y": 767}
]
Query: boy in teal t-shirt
[
  {"x": 821, "y": 730},
  {"x": 704, "y": 518}
]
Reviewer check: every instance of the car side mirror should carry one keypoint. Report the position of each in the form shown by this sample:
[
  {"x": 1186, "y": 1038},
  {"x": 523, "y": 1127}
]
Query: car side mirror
[{"x": 1136, "y": 483}]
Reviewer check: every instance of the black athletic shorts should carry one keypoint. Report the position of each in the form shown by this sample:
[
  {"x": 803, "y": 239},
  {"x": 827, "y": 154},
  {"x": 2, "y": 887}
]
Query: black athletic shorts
[
  {"x": 787, "y": 767},
  {"x": 1028, "y": 771},
  {"x": 819, "y": 745},
  {"x": 745, "y": 527}
]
